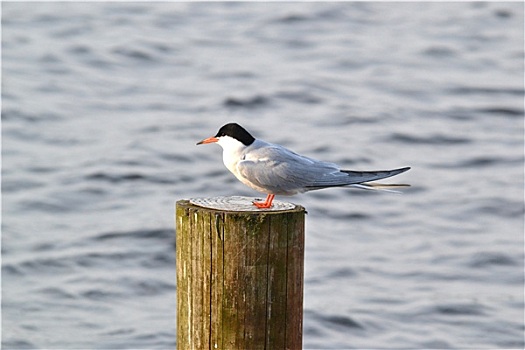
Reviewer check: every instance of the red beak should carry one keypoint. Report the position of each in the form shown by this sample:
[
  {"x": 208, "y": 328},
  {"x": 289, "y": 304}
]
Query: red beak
[{"x": 208, "y": 140}]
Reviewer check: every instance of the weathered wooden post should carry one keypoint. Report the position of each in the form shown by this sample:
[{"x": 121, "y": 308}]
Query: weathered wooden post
[{"x": 239, "y": 274}]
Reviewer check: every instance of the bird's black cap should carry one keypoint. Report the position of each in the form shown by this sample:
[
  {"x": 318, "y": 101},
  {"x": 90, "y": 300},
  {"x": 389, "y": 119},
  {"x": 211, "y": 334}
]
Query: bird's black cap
[{"x": 237, "y": 132}]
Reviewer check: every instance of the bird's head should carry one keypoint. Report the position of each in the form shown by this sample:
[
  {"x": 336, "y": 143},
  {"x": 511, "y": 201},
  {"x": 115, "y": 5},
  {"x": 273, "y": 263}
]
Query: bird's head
[{"x": 229, "y": 135}]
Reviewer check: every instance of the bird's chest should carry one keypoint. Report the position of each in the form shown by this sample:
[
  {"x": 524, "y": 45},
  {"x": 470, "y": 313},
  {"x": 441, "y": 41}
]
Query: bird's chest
[
  {"x": 232, "y": 163},
  {"x": 231, "y": 160}
]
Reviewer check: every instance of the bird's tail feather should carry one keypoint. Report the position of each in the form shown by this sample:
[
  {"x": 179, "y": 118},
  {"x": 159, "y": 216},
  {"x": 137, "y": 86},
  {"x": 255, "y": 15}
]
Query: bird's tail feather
[{"x": 380, "y": 187}]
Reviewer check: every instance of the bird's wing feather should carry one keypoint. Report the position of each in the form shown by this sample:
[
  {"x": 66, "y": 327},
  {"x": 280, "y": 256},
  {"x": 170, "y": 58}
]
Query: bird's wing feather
[
  {"x": 349, "y": 177},
  {"x": 282, "y": 171}
]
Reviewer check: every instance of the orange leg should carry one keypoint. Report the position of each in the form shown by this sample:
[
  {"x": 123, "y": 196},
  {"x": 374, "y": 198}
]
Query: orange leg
[{"x": 266, "y": 204}]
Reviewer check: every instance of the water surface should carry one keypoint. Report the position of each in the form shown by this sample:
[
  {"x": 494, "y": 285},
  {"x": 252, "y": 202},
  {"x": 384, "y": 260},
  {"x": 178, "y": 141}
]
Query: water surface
[{"x": 102, "y": 104}]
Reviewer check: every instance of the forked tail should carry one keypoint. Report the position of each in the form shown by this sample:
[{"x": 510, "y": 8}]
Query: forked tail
[{"x": 380, "y": 187}]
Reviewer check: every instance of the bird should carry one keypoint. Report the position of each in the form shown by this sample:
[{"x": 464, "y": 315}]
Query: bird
[{"x": 275, "y": 170}]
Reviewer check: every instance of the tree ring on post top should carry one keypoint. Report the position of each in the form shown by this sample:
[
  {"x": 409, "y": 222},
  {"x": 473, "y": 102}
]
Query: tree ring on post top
[{"x": 239, "y": 203}]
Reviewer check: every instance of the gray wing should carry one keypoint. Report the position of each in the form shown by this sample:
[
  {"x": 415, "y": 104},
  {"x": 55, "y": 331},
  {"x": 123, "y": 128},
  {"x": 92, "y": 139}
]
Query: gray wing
[
  {"x": 282, "y": 171},
  {"x": 350, "y": 177}
]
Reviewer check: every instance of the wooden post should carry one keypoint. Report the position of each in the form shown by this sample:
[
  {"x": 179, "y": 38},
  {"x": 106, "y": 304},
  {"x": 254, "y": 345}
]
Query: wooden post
[{"x": 239, "y": 278}]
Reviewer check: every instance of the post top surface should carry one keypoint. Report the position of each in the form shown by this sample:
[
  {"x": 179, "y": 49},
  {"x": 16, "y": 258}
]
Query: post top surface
[{"x": 238, "y": 203}]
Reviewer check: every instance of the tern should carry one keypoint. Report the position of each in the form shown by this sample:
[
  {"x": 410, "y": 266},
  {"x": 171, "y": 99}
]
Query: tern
[{"x": 275, "y": 170}]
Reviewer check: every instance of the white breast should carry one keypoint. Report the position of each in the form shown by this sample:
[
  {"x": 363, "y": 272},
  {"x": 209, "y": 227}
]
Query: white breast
[{"x": 234, "y": 152}]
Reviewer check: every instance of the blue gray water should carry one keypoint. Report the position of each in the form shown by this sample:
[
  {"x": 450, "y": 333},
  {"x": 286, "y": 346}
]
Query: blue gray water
[{"x": 102, "y": 104}]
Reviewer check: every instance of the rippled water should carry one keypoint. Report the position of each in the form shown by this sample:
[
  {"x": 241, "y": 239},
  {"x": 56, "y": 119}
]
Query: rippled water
[{"x": 102, "y": 104}]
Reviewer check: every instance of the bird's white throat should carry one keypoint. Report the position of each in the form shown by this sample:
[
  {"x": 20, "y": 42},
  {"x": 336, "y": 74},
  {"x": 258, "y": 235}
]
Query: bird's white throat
[{"x": 232, "y": 150}]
